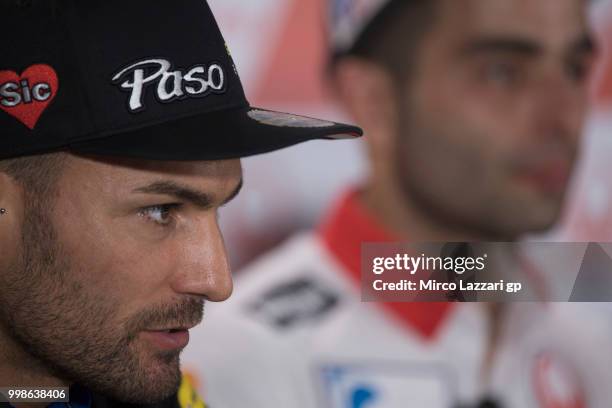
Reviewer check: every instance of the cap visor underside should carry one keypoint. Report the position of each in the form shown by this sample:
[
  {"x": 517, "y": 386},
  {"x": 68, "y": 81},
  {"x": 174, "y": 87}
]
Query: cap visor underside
[{"x": 220, "y": 135}]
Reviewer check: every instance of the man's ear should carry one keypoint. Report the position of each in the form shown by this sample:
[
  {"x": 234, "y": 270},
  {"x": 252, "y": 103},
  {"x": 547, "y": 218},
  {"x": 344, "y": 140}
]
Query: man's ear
[{"x": 369, "y": 94}]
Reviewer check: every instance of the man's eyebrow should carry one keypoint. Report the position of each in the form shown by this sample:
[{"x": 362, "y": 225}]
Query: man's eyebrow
[
  {"x": 184, "y": 193},
  {"x": 500, "y": 44},
  {"x": 583, "y": 45}
]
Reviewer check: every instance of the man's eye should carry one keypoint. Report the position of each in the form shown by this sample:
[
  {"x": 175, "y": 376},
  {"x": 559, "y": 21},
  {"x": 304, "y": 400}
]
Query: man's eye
[{"x": 160, "y": 214}]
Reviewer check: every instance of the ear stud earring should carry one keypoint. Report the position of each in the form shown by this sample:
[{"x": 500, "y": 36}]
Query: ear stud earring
[{"x": 2, "y": 211}]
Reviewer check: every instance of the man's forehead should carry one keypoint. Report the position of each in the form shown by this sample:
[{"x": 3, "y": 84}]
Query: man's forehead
[
  {"x": 129, "y": 173},
  {"x": 552, "y": 22}
]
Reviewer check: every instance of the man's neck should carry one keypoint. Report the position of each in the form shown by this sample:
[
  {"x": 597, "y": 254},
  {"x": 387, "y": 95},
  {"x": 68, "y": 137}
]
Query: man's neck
[
  {"x": 20, "y": 369},
  {"x": 405, "y": 219}
]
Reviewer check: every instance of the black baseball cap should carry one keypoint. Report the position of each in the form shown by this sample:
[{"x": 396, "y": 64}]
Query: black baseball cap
[{"x": 138, "y": 78}]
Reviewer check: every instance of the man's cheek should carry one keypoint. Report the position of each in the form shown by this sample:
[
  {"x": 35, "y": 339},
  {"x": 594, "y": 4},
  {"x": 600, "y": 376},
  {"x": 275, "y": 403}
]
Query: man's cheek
[
  {"x": 488, "y": 108},
  {"x": 135, "y": 271},
  {"x": 100, "y": 265}
]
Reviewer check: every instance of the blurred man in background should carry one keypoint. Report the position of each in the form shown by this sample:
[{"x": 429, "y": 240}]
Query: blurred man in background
[{"x": 473, "y": 112}]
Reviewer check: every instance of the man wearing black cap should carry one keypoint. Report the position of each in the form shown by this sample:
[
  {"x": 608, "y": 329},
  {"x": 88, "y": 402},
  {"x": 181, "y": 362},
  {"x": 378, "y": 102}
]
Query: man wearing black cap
[
  {"x": 122, "y": 128},
  {"x": 473, "y": 111}
]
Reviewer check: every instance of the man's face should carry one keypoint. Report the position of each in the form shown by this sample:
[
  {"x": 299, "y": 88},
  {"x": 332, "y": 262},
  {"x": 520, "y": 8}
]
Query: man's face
[
  {"x": 123, "y": 252},
  {"x": 492, "y": 116}
]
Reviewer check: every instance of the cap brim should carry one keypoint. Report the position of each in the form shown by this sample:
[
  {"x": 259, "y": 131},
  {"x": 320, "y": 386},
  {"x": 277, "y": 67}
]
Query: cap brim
[{"x": 219, "y": 135}]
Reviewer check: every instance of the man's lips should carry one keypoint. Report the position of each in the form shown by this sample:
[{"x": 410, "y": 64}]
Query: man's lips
[
  {"x": 168, "y": 339},
  {"x": 171, "y": 338}
]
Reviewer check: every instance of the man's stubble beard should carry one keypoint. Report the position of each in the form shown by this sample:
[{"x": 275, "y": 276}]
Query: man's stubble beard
[{"x": 72, "y": 333}]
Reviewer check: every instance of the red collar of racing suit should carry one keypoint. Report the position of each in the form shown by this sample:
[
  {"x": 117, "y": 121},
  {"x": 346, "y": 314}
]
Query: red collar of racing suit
[{"x": 347, "y": 226}]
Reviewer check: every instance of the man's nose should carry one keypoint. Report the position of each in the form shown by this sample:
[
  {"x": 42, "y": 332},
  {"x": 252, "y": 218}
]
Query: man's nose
[
  {"x": 203, "y": 268},
  {"x": 560, "y": 108}
]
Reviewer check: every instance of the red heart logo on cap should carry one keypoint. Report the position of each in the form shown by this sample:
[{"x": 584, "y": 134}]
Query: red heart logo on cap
[{"x": 27, "y": 96}]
